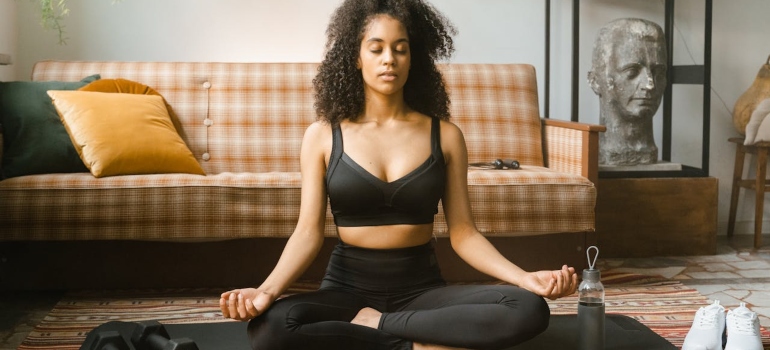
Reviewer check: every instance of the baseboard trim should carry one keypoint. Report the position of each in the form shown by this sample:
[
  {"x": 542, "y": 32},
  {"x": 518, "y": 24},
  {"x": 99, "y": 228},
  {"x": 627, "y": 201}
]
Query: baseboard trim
[{"x": 745, "y": 227}]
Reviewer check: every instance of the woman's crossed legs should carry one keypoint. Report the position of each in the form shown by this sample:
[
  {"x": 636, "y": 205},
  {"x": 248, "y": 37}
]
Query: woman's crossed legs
[{"x": 465, "y": 316}]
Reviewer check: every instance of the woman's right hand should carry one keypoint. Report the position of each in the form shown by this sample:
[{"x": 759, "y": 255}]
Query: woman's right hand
[{"x": 244, "y": 304}]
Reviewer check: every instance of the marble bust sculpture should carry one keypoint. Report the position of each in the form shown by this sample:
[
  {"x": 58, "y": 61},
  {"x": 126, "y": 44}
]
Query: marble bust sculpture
[{"x": 628, "y": 74}]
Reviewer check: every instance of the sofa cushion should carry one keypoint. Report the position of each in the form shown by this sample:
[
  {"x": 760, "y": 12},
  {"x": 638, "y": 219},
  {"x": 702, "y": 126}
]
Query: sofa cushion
[
  {"x": 123, "y": 134},
  {"x": 34, "y": 139},
  {"x": 529, "y": 201},
  {"x": 171, "y": 206}
]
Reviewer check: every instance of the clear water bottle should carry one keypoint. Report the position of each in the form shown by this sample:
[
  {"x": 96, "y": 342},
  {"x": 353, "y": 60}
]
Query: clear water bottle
[{"x": 591, "y": 307}]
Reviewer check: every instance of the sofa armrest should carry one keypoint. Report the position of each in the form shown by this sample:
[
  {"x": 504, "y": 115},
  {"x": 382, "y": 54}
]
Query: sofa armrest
[{"x": 572, "y": 147}]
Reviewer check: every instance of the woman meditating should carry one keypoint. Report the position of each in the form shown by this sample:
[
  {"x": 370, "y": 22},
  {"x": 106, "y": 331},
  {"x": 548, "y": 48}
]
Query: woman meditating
[{"x": 384, "y": 153}]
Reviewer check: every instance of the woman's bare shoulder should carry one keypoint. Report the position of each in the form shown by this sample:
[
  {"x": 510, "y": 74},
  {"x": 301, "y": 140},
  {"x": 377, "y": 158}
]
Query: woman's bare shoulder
[
  {"x": 318, "y": 139},
  {"x": 451, "y": 132},
  {"x": 317, "y": 131}
]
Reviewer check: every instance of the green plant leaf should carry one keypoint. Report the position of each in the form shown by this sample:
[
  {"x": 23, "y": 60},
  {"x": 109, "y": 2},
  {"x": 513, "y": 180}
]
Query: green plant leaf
[{"x": 51, "y": 14}]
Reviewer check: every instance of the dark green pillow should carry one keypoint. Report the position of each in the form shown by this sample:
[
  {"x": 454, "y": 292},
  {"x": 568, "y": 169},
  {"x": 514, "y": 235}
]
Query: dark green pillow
[{"x": 34, "y": 138}]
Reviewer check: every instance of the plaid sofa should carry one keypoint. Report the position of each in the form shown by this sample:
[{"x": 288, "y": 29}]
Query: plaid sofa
[{"x": 244, "y": 123}]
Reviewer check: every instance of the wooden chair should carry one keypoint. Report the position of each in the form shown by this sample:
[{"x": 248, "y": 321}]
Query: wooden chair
[{"x": 759, "y": 184}]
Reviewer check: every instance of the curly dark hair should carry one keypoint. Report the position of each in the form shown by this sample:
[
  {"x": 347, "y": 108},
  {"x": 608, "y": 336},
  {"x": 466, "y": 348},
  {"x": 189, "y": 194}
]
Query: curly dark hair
[{"x": 339, "y": 85}]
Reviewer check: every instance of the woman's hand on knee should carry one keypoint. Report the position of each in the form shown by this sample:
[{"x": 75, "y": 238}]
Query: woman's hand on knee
[
  {"x": 244, "y": 304},
  {"x": 551, "y": 284}
]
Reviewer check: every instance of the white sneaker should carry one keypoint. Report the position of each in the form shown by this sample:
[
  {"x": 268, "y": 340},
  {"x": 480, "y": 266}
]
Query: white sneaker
[
  {"x": 707, "y": 329},
  {"x": 743, "y": 329}
]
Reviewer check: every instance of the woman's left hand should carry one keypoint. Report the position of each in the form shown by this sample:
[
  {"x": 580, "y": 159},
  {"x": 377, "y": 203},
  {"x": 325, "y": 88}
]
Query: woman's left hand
[{"x": 551, "y": 284}]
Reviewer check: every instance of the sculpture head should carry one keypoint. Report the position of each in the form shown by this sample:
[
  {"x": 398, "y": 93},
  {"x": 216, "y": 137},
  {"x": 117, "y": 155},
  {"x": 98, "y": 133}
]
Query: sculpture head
[{"x": 629, "y": 69}]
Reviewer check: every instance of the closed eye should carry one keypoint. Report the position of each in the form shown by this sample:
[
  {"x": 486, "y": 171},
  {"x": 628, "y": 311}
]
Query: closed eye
[{"x": 631, "y": 70}]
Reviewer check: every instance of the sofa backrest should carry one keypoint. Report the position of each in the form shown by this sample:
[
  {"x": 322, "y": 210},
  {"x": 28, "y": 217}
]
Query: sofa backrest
[
  {"x": 496, "y": 107},
  {"x": 250, "y": 117}
]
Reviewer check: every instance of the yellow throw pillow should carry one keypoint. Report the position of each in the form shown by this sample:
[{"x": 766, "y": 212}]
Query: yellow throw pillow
[
  {"x": 125, "y": 86},
  {"x": 120, "y": 86},
  {"x": 123, "y": 134}
]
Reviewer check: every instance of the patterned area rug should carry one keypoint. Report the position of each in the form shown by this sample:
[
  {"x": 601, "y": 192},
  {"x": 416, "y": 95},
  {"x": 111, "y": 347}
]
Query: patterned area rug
[{"x": 667, "y": 307}]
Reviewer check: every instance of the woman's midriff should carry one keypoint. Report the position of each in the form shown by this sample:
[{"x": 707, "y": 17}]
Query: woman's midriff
[{"x": 386, "y": 237}]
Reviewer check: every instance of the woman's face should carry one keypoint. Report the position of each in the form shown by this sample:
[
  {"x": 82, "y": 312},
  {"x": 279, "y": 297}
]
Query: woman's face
[{"x": 384, "y": 57}]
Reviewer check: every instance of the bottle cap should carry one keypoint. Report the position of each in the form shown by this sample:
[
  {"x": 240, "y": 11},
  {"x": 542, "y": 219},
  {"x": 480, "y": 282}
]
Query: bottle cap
[{"x": 592, "y": 275}]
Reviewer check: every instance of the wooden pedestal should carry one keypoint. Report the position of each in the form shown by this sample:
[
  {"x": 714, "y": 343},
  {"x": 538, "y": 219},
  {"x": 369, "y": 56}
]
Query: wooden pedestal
[{"x": 643, "y": 217}]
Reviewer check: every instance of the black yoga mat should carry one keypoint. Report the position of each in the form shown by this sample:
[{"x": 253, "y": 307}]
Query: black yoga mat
[{"x": 622, "y": 332}]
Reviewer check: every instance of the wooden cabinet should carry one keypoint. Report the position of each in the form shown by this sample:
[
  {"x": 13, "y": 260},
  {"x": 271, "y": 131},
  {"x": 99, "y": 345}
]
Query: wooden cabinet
[{"x": 643, "y": 217}]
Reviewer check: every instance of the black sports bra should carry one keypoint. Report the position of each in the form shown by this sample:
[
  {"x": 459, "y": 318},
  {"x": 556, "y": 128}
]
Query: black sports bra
[{"x": 359, "y": 198}]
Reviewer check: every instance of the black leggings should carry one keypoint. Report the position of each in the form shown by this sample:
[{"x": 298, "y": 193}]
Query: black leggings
[{"x": 406, "y": 286}]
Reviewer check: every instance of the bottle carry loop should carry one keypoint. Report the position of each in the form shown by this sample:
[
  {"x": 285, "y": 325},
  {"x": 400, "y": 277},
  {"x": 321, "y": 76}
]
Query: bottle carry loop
[{"x": 588, "y": 255}]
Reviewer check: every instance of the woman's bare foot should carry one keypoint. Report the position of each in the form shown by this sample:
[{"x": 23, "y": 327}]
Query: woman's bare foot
[
  {"x": 420, "y": 346},
  {"x": 371, "y": 318},
  {"x": 368, "y": 317}
]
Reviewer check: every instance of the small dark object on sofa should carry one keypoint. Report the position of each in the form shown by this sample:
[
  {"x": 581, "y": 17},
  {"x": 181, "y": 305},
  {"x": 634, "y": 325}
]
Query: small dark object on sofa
[
  {"x": 508, "y": 163},
  {"x": 498, "y": 164}
]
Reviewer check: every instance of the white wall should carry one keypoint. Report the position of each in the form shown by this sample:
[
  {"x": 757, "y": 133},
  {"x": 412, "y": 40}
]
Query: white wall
[
  {"x": 490, "y": 31},
  {"x": 741, "y": 46},
  {"x": 8, "y": 35}
]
